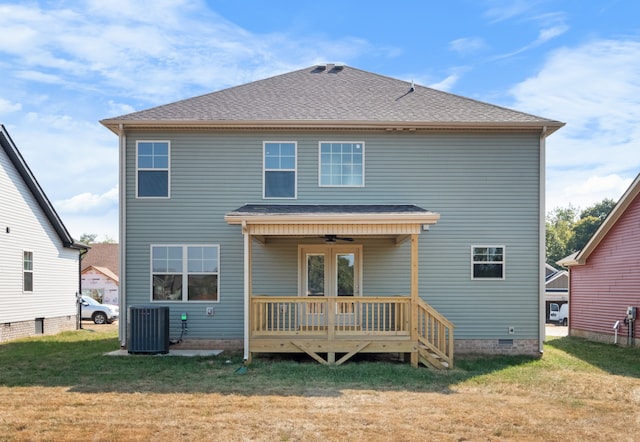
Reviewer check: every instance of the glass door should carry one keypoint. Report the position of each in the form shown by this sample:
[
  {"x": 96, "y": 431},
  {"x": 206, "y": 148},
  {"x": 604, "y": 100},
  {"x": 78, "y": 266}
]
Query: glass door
[{"x": 330, "y": 271}]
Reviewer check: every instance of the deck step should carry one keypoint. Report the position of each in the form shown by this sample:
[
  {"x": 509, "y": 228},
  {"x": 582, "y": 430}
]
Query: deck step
[{"x": 430, "y": 359}]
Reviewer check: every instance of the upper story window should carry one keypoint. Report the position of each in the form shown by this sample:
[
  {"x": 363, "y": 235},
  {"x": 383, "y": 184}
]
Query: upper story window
[
  {"x": 487, "y": 262},
  {"x": 153, "y": 169},
  {"x": 342, "y": 164},
  {"x": 280, "y": 169},
  {"x": 27, "y": 271},
  {"x": 185, "y": 273}
]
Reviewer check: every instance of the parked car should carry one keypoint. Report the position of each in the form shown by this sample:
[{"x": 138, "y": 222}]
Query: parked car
[
  {"x": 99, "y": 313},
  {"x": 559, "y": 313}
]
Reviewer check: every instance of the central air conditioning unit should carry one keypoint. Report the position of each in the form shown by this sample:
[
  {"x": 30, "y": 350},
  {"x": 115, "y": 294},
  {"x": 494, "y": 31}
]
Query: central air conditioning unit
[{"x": 148, "y": 330}]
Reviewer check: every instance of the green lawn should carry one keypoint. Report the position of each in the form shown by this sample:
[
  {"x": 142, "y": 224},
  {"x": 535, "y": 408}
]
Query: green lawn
[{"x": 577, "y": 390}]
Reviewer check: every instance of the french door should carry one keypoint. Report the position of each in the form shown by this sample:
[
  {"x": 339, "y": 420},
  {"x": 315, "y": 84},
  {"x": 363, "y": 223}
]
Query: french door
[{"x": 330, "y": 270}]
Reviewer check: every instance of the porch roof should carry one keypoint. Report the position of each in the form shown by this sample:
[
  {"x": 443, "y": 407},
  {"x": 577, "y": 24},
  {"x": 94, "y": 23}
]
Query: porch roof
[{"x": 301, "y": 220}]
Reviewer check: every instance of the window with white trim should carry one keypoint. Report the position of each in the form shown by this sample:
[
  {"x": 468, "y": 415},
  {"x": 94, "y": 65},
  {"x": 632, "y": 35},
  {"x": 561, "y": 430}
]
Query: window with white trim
[
  {"x": 27, "y": 271},
  {"x": 487, "y": 262},
  {"x": 185, "y": 273},
  {"x": 280, "y": 169},
  {"x": 341, "y": 164},
  {"x": 152, "y": 164}
]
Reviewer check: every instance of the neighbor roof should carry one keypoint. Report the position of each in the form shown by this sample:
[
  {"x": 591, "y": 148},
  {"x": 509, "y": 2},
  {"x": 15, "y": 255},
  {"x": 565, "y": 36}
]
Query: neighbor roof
[
  {"x": 102, "y": 255},
  {"x": 332, "y": 96},
  {"x": 105, "y": 271},
  {"x": 32, "y": 184}
]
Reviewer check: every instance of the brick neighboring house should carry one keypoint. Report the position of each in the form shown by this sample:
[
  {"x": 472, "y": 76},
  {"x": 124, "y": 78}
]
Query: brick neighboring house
[
  {"x": 604, "y": 277},
  {"x": 100, "y": 273}
]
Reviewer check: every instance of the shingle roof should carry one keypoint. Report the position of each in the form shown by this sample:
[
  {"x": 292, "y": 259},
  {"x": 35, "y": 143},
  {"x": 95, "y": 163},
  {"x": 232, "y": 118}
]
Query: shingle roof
[
  {"x": 105, "y": 271},
  {"x": 326, "y": 209},
  {"x": 102, "y": 255},
  {"x": 320, "y": 95}
]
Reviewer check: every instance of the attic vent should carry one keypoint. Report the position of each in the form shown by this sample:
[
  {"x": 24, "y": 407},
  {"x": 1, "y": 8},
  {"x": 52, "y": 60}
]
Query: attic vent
[{"x": 335, "y": 67}]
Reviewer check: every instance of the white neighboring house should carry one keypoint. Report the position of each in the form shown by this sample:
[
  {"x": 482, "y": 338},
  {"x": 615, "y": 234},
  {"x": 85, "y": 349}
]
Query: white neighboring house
[
  {"x": 101, "y": 284},
  {"x": 39, "y": 260}
]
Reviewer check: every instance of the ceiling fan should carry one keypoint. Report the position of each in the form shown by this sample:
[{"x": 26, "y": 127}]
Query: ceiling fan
[{"x": 332, "y": 239}]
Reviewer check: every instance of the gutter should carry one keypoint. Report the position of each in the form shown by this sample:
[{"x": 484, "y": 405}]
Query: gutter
[{"x": 117, "y": 125}]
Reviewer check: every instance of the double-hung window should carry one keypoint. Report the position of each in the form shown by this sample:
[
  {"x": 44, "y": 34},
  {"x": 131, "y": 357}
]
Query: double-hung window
[
  {"x": 280, "y": 169},
  {"x": 487, "y": 262},
  {"x": 185, "y": 272},
  {"x": 27, "y": 271},
  {"x": 341, "y": 164},
  {"x": 152, "y": 163}
]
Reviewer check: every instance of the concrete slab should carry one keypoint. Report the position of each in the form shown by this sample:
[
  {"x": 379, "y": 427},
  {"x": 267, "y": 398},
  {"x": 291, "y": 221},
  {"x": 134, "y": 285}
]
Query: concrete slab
[
  {"x": 185, "y": 353},
  {"x": 556, "y": 330}
]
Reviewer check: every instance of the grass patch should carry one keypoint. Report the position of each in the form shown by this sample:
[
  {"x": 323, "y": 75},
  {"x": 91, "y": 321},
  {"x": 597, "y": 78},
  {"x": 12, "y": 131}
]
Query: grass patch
[{"x": 59, "y": 387}]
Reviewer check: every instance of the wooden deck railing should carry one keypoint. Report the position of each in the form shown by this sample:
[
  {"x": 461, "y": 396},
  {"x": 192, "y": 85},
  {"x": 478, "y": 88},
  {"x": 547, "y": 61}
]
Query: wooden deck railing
[
  {"x": 286, "y": 315},
  {"x": 339, "y": 319},
  {"x": 435, "y": 335}
]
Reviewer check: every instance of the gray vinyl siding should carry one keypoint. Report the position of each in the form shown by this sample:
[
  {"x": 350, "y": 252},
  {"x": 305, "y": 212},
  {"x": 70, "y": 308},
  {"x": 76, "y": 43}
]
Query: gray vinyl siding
[{"x": 484, "y": 185}]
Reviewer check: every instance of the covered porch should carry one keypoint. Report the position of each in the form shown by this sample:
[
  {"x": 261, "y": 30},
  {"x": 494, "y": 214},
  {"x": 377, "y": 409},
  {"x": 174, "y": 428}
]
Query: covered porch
[{"x": 338, "y": 320}]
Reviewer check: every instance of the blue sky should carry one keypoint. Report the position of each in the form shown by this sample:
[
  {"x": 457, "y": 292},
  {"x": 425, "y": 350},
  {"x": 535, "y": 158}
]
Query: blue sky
[{"x": 68, "y": 64}]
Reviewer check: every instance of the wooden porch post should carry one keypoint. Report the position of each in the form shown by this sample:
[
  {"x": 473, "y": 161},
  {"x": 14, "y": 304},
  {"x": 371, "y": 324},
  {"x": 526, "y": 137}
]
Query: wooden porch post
[
  {"x": 414, "y": 299},
  {"x": 331, "y": 329},
  {"x": 247, "y": 292}
]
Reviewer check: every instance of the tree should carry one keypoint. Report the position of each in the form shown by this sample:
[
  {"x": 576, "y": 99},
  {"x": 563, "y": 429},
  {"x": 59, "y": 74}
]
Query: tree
[
  {"x": 88, "y": 238},
  {"x": 567, "y": 233},
  {"x": 590, "y": 219},
  {"x": 559, "y": 232}
]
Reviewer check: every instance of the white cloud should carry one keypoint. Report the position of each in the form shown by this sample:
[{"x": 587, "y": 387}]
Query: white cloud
[
  {"x": 594, "y": 88},
  {"x": 177, "y": 48},
  {"x": 117, "y": 109},
  {"x": 105, "y": 225},
  {"x": 501, "y": 11},
  {"x": 6, "y": 106},
  {"x": 447, "y": 83},
  {"x": 581, "y": 190},
  {"x": 468, "y": 45},
  {"x": 547, "y": 34},
  {"x": 87, "y": 202}
]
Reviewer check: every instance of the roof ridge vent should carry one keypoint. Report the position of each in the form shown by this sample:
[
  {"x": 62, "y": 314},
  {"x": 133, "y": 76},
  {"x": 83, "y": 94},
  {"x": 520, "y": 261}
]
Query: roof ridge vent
[{"x": 335, "y": 66}]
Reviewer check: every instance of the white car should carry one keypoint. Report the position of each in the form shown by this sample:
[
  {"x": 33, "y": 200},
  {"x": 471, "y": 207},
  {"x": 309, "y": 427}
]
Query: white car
[{"x": 98, "y": 313}]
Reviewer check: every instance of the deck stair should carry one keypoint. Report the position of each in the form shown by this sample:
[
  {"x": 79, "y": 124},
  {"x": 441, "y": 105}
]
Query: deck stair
[{"x": 435, "y": 338}]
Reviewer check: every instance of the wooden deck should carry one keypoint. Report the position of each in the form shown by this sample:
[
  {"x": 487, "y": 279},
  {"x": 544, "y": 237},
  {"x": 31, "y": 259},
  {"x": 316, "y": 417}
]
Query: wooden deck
[{"x": 345, "y": 326}]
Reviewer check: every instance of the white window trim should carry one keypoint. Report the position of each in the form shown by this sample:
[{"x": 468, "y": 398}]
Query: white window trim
[
  {"x": 320, "y": 164},
  {"x": 503, "y": 262},
  {"x": 184, "y": 273},
  {"x": 294, "y": 170},
  {"x": 168, "y": 169},
  {"x": 33, "y": 282}
]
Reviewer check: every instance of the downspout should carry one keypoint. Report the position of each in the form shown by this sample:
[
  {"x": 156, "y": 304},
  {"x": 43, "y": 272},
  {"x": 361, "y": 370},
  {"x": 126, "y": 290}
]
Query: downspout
[
  {"x": 122, "y": 235},
  {"x": 542, "y": 240}
]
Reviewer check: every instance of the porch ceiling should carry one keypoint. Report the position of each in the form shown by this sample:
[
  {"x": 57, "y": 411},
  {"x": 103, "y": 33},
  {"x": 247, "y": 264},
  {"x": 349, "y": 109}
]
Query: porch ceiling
[{"x": 312, "y": 220}]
